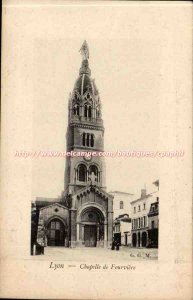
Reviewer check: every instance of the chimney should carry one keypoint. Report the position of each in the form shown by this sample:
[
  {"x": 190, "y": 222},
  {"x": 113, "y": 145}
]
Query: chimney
[{"x": 143, "y": 193}]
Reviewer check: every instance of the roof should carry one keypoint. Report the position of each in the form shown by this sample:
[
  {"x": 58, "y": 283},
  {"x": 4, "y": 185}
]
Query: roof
[
  {"x": 54, "y": 204},
  {"x": 123, "y": 215},
  {"x": 92, "y": 188},
  {"x": 154, "y": 203},
  {"x": 117, "y": 221},
  {"x": 142, "y": 198},
  {"x": 47, "y": 199},
  {"x": 84, "y": 82},
  {"x": 119, "y": 192},
  {"x": 123, "y": 218},
  {"x": 42, "y": 201}
]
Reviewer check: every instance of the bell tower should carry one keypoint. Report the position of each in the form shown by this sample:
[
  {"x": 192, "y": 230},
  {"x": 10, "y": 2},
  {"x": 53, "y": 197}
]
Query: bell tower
[
  {"x": 84, "y": 216},
  {"x": 85, "y": 132}
]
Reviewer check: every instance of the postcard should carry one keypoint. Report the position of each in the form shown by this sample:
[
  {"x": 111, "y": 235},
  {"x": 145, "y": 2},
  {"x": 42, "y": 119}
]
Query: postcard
[{"x": 96, "y": 197}]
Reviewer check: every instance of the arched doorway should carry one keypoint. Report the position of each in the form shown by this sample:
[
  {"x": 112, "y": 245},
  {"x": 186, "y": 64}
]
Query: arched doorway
[
  {"x": 134, "y": 240},
  {"x": 92, "y": 227},
  {"x": 144, "y": 239},
  {"x": 56, "y": 233}
]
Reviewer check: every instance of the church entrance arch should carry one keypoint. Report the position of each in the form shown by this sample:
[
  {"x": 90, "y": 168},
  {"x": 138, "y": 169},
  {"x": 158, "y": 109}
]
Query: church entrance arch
[{"x": 92, "y": 227}]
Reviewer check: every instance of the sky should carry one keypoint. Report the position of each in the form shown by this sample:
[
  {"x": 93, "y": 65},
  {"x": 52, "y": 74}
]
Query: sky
[{"x": 126, "y": 67}]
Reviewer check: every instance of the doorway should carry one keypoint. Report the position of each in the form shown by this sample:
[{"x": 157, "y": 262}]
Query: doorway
[
  {"x": 56, "y": 233},
  {"x": 144, "y": 239},
  {"x": 125, "y": 239},
  {"x": 134, "y": 240},
  {"x": 90, "y": 235},
  {"x": 139, "y": 237}
]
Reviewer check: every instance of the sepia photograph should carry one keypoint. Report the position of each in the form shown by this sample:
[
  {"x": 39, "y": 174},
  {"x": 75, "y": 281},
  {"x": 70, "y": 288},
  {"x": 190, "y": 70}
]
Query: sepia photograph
[
  {"x": 96, "y": 159},
  {"x": 88, "y": 214}
]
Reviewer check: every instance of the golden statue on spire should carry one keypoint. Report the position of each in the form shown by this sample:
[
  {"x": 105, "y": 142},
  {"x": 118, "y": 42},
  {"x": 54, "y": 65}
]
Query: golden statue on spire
[{"x": 84, "y": 51}]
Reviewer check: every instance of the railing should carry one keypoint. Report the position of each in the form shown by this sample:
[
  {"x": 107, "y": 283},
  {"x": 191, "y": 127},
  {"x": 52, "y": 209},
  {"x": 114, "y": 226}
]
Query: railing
[{"x": 80, "y": 119}]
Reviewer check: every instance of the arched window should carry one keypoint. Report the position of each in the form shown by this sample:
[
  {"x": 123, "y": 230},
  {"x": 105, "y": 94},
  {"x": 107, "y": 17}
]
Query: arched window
[
  {"x": 84, "y": 139},
  {"x": 85, "y": 111},
  {"x": 92, "y": 140},
  {"x": 81, "y": 174},
  {"x": 89, "y": 111},
  {"x": 121, "y": 204},
  {"x": 76, "y": 110},
  {"x": 94, "y": 169},
  {"x": 88, "y": 140},
  {"x": 144, "y": 221}
]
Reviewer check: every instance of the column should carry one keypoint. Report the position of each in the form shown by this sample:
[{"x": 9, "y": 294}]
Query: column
[
  {"x": 78, "y": 242},
  {"x": 94, "y": 113},
  {"x": 89, "y": 140},
  {"x": 110, "y": 228},
  {"x": 82, "y": 234},
  {"x": 105, "y": 235},
  {"x": 73, "y": 227},
  {"x": 87, "y": 175},
  {"x": 77, "y": 232},
  {"x": 81, "y": 111},
  {"x": 98, "y": 242}
]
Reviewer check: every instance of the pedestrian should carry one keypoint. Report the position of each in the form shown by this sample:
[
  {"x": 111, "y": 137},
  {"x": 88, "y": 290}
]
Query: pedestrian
[
  {"x": 113, "y": 244},
  {"x": 117, "y": 246}
]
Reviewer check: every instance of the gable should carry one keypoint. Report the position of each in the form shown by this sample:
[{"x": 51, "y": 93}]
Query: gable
[
  {"x": 54, "y": 206},
  {"x": 93, "y": 194}
]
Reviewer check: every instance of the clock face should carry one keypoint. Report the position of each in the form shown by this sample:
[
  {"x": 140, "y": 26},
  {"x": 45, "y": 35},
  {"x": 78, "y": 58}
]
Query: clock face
[{"x": 88, "y": 157}]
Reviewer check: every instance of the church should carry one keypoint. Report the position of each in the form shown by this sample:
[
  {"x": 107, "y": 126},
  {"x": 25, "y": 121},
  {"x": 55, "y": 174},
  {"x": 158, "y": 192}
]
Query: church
[{"x": 83, "y": 215}]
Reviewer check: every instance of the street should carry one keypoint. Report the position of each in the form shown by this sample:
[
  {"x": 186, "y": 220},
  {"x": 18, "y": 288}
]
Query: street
[{"x": 98, "y": 254}]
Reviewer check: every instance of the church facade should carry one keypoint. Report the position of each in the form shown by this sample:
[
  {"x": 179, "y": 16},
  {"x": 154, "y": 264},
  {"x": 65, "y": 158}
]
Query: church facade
[{"x": 83, "y": 216}]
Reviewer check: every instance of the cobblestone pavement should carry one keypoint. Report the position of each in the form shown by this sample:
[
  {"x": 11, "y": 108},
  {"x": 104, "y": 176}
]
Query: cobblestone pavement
[{"x": 98, "y": 254}]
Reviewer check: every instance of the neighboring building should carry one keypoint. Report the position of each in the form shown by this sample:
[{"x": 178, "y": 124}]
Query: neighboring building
[
  {"x": 122, "y": 219},
  {"x": 122, "y": 230},
  {"x": 153, "y": 221},
  {"x": 84, "y": 214},
  {"x": 144, "y": 211},
  {"x": 121, "y": 203}
]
